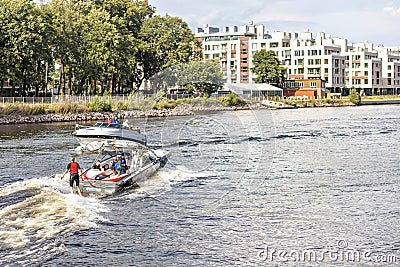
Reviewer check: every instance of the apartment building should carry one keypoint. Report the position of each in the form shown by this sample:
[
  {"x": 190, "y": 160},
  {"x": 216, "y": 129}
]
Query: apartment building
[
  {"x": 338, "y": 63},
  {"x": 390, "y": 69}
]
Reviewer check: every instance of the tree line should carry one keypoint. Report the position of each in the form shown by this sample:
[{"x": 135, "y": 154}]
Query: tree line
[{"x": 88, "y": 47}]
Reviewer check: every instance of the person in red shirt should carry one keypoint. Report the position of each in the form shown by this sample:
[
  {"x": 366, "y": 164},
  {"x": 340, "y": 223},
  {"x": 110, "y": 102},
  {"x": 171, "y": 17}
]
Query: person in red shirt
[{"x": 75, "y": 171}]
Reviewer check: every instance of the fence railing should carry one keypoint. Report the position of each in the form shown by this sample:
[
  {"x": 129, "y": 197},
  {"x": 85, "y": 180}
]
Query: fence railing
[
  {"x": 81, "y": 99},
  {"x": 87, "y": 99},
  {"x": 62, "y": 99}
]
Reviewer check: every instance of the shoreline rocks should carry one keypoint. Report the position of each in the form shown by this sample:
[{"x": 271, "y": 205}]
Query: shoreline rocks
[{"x": 182, "y": 110}]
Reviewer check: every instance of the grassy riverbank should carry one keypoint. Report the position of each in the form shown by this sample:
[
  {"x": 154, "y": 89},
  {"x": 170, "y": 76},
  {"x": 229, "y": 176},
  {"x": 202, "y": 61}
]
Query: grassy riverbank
[
  {"x": 344, "y": 101},
  {"x": 380, "y": 98},
  {"x": 312, "y": 103},
  {"x": 156, "y": 106},
  {"x": 137, "y": 102},
  {"x": 14, "y": 113}
]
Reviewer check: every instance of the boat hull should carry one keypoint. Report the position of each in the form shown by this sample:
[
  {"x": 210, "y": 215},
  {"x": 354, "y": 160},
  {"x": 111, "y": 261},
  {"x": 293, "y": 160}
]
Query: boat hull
[
  {"x": 104, "y": 188},
  {"x": 86, "y": 135}
]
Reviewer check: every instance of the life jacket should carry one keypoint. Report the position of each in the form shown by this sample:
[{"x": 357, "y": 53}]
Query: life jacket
[
  {"x": 73, "y": 168},
  {"x": 118, "y": 166}
]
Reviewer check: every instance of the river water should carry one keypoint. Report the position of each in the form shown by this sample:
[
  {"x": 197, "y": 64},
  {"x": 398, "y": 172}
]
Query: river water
[{"x": 313, "y": 187}]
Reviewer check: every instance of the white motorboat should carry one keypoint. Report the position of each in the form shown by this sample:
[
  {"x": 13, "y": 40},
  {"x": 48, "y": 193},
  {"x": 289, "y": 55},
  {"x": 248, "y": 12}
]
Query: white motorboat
[
  {"x": 142, "y": 163},
  {"x": 109, "y": 131}
]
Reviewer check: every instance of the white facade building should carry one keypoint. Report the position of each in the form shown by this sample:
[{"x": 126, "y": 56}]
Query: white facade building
[{"x": 340, "y": 64}]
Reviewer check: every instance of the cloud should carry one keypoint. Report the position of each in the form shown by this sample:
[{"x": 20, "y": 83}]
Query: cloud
[{"x": 392, "y": 10}]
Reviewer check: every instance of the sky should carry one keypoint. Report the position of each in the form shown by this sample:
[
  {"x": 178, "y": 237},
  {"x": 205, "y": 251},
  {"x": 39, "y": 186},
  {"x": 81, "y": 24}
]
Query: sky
[{"x": 375, "y": 21}]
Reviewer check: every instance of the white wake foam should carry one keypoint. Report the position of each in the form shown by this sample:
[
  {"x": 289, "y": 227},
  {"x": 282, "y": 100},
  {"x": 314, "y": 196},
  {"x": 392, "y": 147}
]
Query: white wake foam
[{"x": 38, "y": 215}]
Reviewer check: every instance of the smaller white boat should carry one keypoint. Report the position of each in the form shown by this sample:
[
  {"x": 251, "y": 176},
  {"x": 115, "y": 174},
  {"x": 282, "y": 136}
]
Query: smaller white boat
[{"x": 109, "y": 131}]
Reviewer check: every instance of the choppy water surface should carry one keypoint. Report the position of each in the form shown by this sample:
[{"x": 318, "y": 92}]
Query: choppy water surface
[{"x": 299, "y": 187}]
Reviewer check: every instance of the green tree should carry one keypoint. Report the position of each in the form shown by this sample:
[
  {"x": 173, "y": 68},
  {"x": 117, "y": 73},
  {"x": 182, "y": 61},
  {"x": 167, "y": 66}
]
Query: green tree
[
  {"x": 115, "y": 43},
  {"x": 267, "y": 68},
  {"x": 22, "y": 43},
  {"x": 127, "y": 18},
  {"x": 68, "y": 17},
  {"x": 165, "y": 42},
  {"x": 355, "y": 97},
  {"x": 204, "y": 77},
  {"x": 100, "y": 50}
]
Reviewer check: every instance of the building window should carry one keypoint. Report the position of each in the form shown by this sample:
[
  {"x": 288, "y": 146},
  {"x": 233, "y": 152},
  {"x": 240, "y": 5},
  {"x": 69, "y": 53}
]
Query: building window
[
  {"x": 314, "y": 71},
  {"x": 254, "y": 46},
  {"x": 326, "y": 61},
  {"x": 313, "y": 84},
  {"x": 244, "y": 60},
  {"x": 233, "y": 46}
]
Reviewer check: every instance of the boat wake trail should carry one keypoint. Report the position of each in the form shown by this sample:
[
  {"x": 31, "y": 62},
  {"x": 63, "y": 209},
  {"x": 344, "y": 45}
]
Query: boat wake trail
[
  {"x": 164, "y": 181},
  {"x": 36, "y": 216}
]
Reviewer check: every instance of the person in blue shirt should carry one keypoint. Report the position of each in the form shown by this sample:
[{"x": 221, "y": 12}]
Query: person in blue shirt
[
  {"x": 115, "y": 120},
  {"x": 116, "y": 167}
]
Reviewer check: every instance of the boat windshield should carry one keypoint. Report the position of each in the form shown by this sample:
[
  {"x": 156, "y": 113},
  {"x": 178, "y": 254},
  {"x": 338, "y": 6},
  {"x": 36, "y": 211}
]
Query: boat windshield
[
  {"x": 107, "y": 125},
  {"x": 107, "y": 155}
]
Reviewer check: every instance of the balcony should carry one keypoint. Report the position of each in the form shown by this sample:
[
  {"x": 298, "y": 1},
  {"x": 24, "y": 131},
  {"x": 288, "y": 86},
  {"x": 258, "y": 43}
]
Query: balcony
[{"x": 314, "y": 75}]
